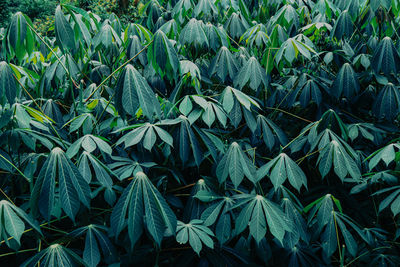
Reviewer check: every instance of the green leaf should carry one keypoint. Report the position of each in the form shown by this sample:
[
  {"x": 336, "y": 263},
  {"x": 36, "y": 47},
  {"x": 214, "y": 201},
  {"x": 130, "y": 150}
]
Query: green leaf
[
  {"x": 387, "y": 103},
  {"x": 193, "y": 34},
  {"x": 251, "y": 73},
  {"x": 260, "y": 212},
  {"x": 12, "y": 224},
  {"x": 236, "y": 25},
  {"x": 72, "y": 188},
  {"x": 335, "y": 153},
  {"x": 54, "y": 255},
  {"x": 64, "y": 32},
  {"x": 343, "y": 26},
  {"x": 235, "y": 164},
  {"x": 144, "y": 206},
  {"x": 270, "y": 132},
  {"x": 146, "y": 134},
  {"x": 133, "y": 92},
  {"x": 163, "y": 56},
  {"x": 282, "y": 168},
  {"x": 223, "y": 65},
  {"x": 196, "y": 233},
  {"x": 8, "y": 87},
  {"x": 386, "y": 58},
  {"x": 346, "y": 83},
  {"x": 386, "y": 154},
  {"x": 89, "y": 143}
]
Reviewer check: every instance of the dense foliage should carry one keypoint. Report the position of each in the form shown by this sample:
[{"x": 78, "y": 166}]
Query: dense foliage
[{"x": 208, "y": 133}]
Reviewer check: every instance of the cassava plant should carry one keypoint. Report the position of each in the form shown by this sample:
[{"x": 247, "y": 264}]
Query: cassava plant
[{"x": 213, "y": 133}]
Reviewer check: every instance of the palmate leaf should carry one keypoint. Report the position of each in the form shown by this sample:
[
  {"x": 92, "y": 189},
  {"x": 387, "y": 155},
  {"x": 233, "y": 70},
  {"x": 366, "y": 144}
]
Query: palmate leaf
[
  {"x": 387, "y": 103},
  {"x": 182, "y": 8},
  {"x": 229, "y": 95},
  {"x": 205, "y": 8},
  {"x": 235, "y": 164},
  {"x": 134, "y": 47},
  {"x": 386, "y": 154},
  {"x": 365, "y": 130},
  {"x": 171, "y": 29},
  {"x": 124, "y": 167},
  {"x": 331, "y": 120},
  {"x": 64, "y": 33},
  {"x": 386, "y": 58},
  {"x": 216, "y": 36},
  {"x": 251, "y": 73},
  {"x": 330, "y": 223},
  {"x": 55, "y": 255},
  {"x": 8, "y": 86},
  {"x": 82, "y": 23},
  {"x": 256, "y": 36},
  {"x": 106, "y": 36},
  {"x": 195, "y": 204},
  {"x": 270, "y": 132},
  {"x": 71, "y": 190},
  {"x": 163, "y": 56},
  {"x": 187, "y": 140},
  {"x": 145, "y": 207},
  {"x": 346, "y": 83},
  {"x": 393, "y": 199},
  {"x": 146, "y": 134},
  {"x": 196, "y": 233},
  {"x": 283, "y": 168},
  {"x": 193, "y": 34},
  {"x": 223, "y": 65},
  {"x": 343, "y": 26},
  {"x": 101, "y": 171},
  {"x": 343, "y": 162},
  {"x": 94, "y": 238},
  {"x": 11, "y": 223},
  {"x": 210, "y": 110},
  {"x": 236, "y": 25},
  {"x": 257, "y": 213},
  {"x": 286, "y": 16},
  {"x": 19, "y": 36},
  {"x": 89, "y": 143},
  {"x": 133, "y": 92},
  {"x": 237, "y": 104},
  {"x": 299, "y": 230},
  {"x": 218, "y": 213},
  {"x": 292, "y": 47},
  {"x": 305, "y": 93}
]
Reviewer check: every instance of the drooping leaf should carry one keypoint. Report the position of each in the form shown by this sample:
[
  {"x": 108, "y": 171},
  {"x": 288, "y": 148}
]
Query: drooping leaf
[
  {"x": 59, "y": 178},
  {"x": 55, "y": 255},
  {"x": 251, "y": 73},
  {"x": 343, "y": 26},
  {"x": 386, "y": 58},
  {"x": 387, "y": 103},
  {"x": 64, "y": 32},
  {"x": 144, "y": 206},
  {"x": 223, "y": 65},
  {"x": 95, "y": 238},
  {"x": 283, "y": 168},
  {"x": 193, "y": 34},
  {"x": 12, "y": 225},
  {"x": 8, "y": 87},
  {"x": 196, "y": 233},
  {"x": 163, "y": 56},
  {"x": 235, "y": 164},
  {"x": 257, "y": 213},
  {"x": 133, "y": 92},
  {"x": 346, "y": 83}
]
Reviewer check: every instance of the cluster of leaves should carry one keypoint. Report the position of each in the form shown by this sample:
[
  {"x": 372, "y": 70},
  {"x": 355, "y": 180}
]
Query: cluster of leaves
[{"x": 207, "y": 132}]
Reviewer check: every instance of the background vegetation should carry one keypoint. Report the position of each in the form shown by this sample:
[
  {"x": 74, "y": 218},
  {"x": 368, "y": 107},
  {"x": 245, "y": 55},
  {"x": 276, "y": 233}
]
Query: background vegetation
[{"x": 234, "y": 132}]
